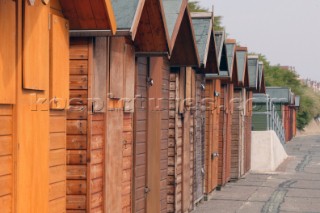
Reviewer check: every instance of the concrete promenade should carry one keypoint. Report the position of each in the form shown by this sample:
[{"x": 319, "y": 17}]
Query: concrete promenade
[{"x": 295, "y": 187}]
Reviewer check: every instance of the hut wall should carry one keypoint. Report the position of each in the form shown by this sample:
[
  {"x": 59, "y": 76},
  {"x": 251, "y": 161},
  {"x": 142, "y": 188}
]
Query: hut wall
[
  {"x": 199, "y": 140},
  {"x": 229, "y": 125},
  {"x": 223, "y": 128},
  {"x": 57, "y": 161},
  {"x": 140, "y": 135},
  {"x": 78, "y": 131},
  {"x": 8, "y": 72},
  {"x": 31, "y": 121},
  {"x": 180, "y": 145},
  {"x": 236, "y": 135},
  {"x": 151, "y": 124},
  {"x": 212, "y": 133},
  {"x": 7, "y": 155},
  {"x": 248, "y": 128},
  {"x": 59, "y": 96},
  {"x": 119, "y": 125}
]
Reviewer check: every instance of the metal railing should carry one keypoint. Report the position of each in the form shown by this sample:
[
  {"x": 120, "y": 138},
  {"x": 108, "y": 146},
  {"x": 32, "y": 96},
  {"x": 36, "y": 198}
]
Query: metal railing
[{"x": 272, "y": 119}]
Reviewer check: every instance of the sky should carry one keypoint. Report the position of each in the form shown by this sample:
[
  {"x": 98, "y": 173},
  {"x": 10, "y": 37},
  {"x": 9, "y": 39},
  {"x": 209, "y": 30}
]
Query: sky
[{"x": 287, "y": 32}]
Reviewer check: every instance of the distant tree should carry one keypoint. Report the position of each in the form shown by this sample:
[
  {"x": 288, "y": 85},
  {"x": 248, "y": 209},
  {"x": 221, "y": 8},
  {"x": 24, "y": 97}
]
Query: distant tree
[
  {"x": 217, "y": 25},
  {"x": 309, "y": 100},
  {"x": 195, "y": 7}
]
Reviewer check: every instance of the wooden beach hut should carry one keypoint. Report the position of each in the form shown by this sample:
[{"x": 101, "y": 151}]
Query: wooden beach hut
[
  {"x": 103, "y": 71},
  {"x": 122, "y": 70},
  {"x": 238, "y": 118},
  {"x": 182, "y": 88},
  {"x": 206, "y": 161},
  {"x": 34, "y": 101},
  {"x": 220, "y": 123}
]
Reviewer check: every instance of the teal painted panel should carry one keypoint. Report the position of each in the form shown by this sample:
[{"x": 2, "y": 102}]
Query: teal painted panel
[
  {"x": 253, "y": 72},
  {"x": 259, "y": 122},
  {"x": 219, "y": 42},
  {"x": 230, "y": 54},
  {"x": 279, "y": 94},
  {"x": 171, "y": 10},
  {"x": 124, "y": 12},
  {"x": 201, "y": 29},
  {"x": 241, "y": 60}
]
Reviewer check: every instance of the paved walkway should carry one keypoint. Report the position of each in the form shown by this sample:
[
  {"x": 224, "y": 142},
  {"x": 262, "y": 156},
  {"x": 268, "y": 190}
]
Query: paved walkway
[{"x": 295, "y": 187}]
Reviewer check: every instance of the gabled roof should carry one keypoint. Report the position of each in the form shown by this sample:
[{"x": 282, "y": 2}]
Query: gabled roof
[
  {"x": 182, "y": 37},
  {"x": 202, "y": 24},
  {"x": 242, "y": 68},
  {"x": 262, "y": 85},
  {"x": 89, "y": 14},
  {"x": 144, "y": 21},
  {"x": 253, "y": 71},
  {"x": 222, "y": 53},
  {"x": 279, "y": 94},
  {"x": 231, "y": 54}
]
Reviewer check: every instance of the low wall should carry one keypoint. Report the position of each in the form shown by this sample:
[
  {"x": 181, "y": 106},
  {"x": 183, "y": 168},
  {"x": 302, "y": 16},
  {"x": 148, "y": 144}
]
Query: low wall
[{"x": 267, "y": 152}]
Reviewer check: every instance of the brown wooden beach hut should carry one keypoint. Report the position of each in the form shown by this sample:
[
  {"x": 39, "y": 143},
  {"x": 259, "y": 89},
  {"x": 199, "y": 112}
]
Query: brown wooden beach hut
[
  {"x": 181, "y": 106},
  {"x": 206, "y": 167},
  {"x": 34, "y": 101},
  {"x": 134, "y": 159},
  {"x": 103, "y": 72},
  {"x": 238, "y": 118}
]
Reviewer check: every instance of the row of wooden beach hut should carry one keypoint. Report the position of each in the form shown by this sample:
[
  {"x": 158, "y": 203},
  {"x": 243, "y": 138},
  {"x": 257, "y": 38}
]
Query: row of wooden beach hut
[{"x": 117, "y": 106}]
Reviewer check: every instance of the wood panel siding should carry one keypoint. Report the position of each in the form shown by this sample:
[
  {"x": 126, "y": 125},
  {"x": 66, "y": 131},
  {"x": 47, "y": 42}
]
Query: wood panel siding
[
  {"x": 7, "y": 146},
  {"x": 199, "y": 140},
  {"x": 222, "y": 136},
  {"x": 96, "y": 174},
  {"x": 174, "y": 144},
  {"x": 57, "y": 161},
  {"x": 236, "y": 135},
  {"x": 140, "y": 135},
  {"x": 212, "y": 137},
  {"x": 151, "y": 121},
  {"x": 78, "y": 143},
  {"x": 229, "y": 125},
  {"x": 181, "y": 139},
  {"x": 8, "y": 52},
  {"x": 120, "y": 126},
  {"x": 127, "y": 163},
  {"x": 164, "y": 133},
  {"x": 32, "y": 120}
]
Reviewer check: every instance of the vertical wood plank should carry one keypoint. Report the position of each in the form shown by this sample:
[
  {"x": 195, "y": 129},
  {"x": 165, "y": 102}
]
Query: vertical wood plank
[
  {"x": 100, "y": 68},
  {"x": 114, "y": 162},
  {"x": 59, "y": 63},
  {"x": 129, "y": 72},
  {"x": 7, "y": 52},
  {"x": 117, "y": 67},
  {"x": 154, "y": 136},
  {"x": 186, "y": 162}
]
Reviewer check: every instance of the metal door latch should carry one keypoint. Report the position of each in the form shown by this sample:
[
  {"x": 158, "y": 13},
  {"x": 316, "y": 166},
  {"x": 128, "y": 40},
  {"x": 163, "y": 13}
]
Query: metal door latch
[{"x": 214, "y": 155}]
